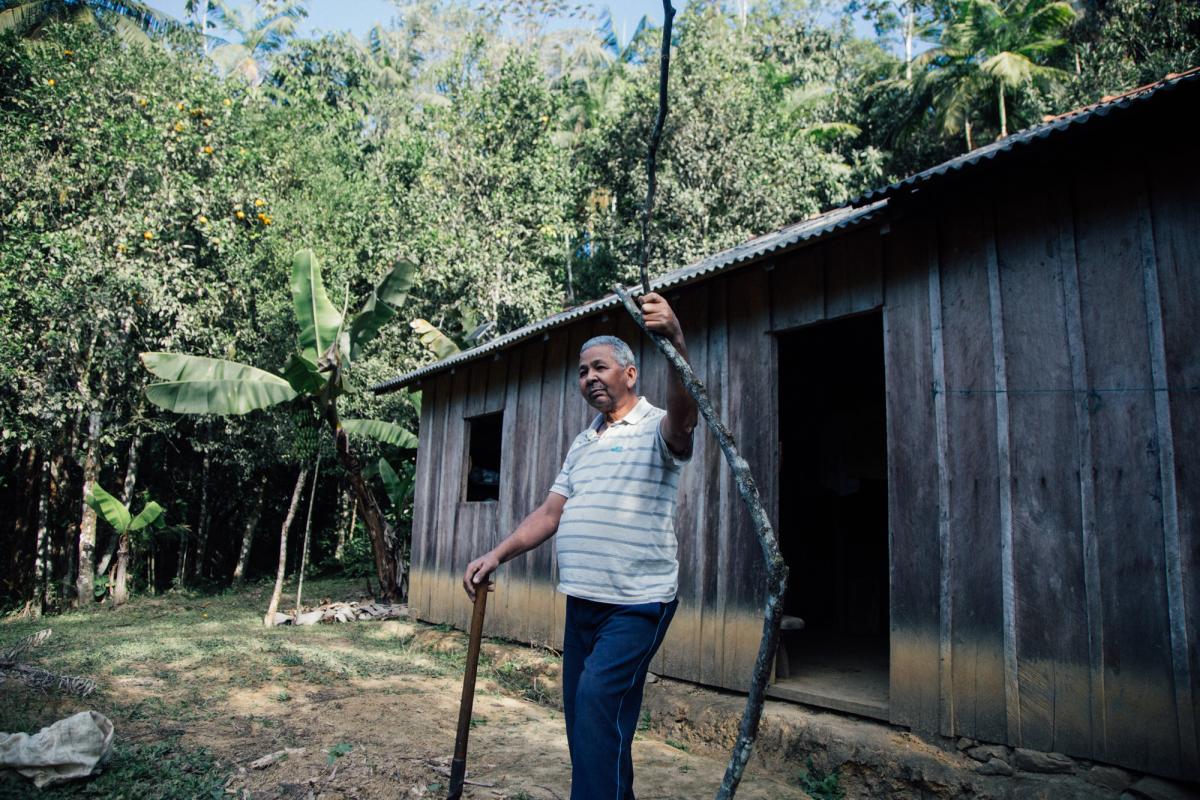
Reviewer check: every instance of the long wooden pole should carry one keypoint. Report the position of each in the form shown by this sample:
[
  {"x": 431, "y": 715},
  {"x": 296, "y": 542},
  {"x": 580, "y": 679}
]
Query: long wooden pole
[
  {"x": 777, "y": 571},
  {"x": 458, "y": 767}
]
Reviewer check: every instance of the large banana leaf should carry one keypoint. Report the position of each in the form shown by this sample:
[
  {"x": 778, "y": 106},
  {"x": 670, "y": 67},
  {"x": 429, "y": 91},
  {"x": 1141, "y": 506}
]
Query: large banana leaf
[
  {"x": 301, "y": 374},
  {"x": 147, "y": 516},
  {"x": 442, "y": 345},
  {"x": 398, "y": 488},
  {"x": 200, "y": 385},
  {"x": 415, "y": 399},
  {"x": 380, "y": 431},
  {"x": 113, "y": 510},
  {"x": 319, "y": 321},
  {"x": 380, "y": 307}
]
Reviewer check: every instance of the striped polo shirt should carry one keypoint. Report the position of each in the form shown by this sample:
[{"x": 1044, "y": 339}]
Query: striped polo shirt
[{"x": 616, "y": 539}]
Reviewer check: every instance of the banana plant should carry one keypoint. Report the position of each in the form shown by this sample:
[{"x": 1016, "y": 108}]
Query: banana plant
[
  {"x": 399, "y": 487},
  {"x": 444, "y": 345},
  {"x": 116, "y": 514},
  {"x": 328, "y": 344}
]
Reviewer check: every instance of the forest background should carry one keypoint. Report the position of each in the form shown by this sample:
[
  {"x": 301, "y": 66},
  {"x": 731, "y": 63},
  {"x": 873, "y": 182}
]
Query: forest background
[{"x": 156, "y": 179}]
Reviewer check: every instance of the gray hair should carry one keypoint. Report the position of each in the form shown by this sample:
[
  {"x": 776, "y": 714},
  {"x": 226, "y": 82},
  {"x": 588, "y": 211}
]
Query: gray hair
[{"x": 621, "y": 351}]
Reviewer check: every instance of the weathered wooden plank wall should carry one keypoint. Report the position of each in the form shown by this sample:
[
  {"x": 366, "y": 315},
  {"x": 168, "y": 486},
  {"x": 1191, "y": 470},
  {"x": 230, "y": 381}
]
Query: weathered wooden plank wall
[{"x": 1043, "y": 424}]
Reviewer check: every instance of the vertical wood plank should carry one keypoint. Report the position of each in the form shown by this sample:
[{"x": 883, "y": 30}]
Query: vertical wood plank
[
  {"x": 1129, "y": 513},
  {"x": 497, "y": 382},
  {"x": 976, "y": 523},
  {"x": 912, "y": 478},
  {"x": 798, "y": 288},
  {"x": 945, "y": 555},
  {"x": 447, "y": 491},
  {"x": 1089, "y": 542},
  {"x": 454, "y": 474},
  {"x": 511, "y": 506},
  {"x": 424, "y": 501},
  {"x": 853, "y": 273},
  {"x": 752, "y": 419},
  {"x": 714, "y": 598},
  {"x": 522, "y": 574},
  {"x": 1052, "y": 653},
  {"x": 1172, "y": 555},
  {"x": 1004, "y": 469},
  {"x": 475, "y": 400},
  {"x": 548, "y": 453},
  {"x": 1175, "y": 208}
]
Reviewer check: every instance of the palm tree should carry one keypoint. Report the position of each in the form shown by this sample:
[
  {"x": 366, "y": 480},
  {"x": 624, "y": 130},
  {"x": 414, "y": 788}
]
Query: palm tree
[
  {"x": 264, "y": 29},
  {"x": 990, "y": 51},
  {"x": 130, "y": 20}
]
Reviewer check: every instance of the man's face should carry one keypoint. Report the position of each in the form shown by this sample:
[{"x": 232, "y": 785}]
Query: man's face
[{"x": 604, "y": 383}]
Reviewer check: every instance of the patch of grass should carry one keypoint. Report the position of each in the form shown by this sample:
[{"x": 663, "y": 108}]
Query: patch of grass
[
  {"x": 521, "y": 679},
  {"x": 162, "y": 770},
  {"x": 338, "y": 750},
  {"x": 283, "y": 696},
  {"x": 818, "y": 784},
  {"x": 678, "y": 745}
]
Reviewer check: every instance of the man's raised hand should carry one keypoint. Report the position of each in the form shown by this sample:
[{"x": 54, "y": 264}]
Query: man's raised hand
[{"x": 660, "y": 318}]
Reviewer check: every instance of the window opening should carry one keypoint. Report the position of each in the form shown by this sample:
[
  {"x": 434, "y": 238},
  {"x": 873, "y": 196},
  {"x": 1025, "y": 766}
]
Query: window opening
[{"x": 483, "y": 457}]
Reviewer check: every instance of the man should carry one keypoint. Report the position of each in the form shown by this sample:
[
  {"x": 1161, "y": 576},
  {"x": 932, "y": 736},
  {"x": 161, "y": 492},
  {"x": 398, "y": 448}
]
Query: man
[{"x": 613, "y": 508}]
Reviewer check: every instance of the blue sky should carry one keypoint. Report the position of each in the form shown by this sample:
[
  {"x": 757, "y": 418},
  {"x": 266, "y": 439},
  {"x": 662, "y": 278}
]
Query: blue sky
[{"x": 358, "y": 16}]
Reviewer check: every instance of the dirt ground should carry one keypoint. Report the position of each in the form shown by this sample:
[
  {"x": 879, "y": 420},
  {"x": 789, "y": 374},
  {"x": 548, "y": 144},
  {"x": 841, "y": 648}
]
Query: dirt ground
[
  {"x": 365, "y": 710},
  {"x": 401, "y": 730}
]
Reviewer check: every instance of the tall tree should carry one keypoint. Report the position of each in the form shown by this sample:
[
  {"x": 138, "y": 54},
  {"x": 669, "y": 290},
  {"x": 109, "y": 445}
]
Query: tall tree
[
  {"x": 129, "y": 19},
  {"x": 992, "y": 53},
  {"x": 261, "y": 29}
]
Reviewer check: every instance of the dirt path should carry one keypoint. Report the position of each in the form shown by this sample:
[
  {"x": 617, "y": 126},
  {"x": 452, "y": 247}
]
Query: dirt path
[{"x": 401, "y": 730}]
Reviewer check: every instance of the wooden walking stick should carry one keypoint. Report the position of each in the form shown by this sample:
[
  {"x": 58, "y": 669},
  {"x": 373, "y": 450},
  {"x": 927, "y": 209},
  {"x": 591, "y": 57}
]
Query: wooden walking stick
[{"x": 458, "y": 767}]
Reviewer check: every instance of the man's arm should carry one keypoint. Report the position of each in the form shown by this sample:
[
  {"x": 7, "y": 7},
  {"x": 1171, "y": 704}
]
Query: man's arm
[
  {"x": 680, "y": 421},
  {"x": 536, "y": 528}
]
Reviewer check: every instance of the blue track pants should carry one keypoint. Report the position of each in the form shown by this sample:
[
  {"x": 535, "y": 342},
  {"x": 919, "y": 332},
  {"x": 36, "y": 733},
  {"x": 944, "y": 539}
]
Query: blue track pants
[{"x": 606, "y": 651}]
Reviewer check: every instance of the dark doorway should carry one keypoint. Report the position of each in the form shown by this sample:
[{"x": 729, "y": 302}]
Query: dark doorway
[
  {"x": 483, "y": 457},
  {"x": 833, "y": 516}
]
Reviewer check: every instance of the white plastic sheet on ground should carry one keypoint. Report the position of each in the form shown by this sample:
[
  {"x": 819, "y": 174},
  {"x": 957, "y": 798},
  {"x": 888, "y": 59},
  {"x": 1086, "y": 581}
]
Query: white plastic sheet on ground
[{"x": 70, "y": 748}]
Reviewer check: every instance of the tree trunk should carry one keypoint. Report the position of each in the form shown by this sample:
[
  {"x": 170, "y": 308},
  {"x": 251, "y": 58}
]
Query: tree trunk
[
  {"x": 1003, "y": 116},
  {"x": 269, "y": 619},
  {"x": 131, "y": 466},
  {"x": 85, "y": 581},
  {"x": 910, "y": 19},
  {"x": 181, "y": 564},
  {"x": 202, "y": 527},
  {"x": 343, "y": 512},
  {"x": 967, "y": 128},
  {"x": 312, "y": 496},
  {"x": 383, "y": 538},
  {"x": 41, "y": 570},
  {"x": 120, "y": 592},
  {"x": 239, "y": 570}
]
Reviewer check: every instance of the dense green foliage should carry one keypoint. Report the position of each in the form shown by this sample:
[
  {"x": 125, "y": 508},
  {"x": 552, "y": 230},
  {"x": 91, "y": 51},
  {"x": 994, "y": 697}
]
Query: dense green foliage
[{"x": 151, "y": 200}]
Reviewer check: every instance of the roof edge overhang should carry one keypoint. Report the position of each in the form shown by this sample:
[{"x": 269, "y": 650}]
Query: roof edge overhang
[{"x": 1054, "y": 129}]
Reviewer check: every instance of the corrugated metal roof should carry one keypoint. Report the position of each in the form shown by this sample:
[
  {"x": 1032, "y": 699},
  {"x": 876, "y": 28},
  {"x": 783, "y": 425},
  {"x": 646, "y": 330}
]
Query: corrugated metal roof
[
  {"x": 1053, "y": 127},
  {"x": 754, "y": 249}
]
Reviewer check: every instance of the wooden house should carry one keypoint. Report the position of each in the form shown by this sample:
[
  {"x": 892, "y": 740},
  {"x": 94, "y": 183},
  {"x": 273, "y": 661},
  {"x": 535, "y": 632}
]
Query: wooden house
[{"x": 972, "y": 402}]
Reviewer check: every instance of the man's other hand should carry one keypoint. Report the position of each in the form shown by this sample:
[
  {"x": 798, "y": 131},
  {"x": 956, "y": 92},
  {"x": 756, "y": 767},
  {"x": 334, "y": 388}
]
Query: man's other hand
[
  {"x": 660, "y": 318},
  {"x": 478, "y": 572}
]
